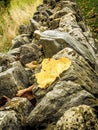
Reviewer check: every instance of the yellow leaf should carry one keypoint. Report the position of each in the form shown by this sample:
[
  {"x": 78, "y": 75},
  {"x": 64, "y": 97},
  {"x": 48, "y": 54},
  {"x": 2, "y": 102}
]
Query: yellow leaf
[{"x": 51, "y": 69}]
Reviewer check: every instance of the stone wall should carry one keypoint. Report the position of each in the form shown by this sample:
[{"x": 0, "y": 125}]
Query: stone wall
[{"x": 57, "y": 29}]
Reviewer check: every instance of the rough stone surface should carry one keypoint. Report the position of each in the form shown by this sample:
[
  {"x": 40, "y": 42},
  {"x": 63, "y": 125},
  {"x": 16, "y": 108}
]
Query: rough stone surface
[
  {"x": 20, "y": 40},
  {"x": 12, "y": 78},
  {"x": 78, "y": 118},
  {"x": 67, "y": 91},
  {"x": 13, "y": 114},
  {"x": 56, "y": 30},
  {"x": 29, "y": 53},
  {"x": 62, "y": 39},
  {"x": 8, "y": 120},
  {"x": 6, "y": 59},
  {"x": 19, "y": 104},
  {"x": 15, "y": 52}
]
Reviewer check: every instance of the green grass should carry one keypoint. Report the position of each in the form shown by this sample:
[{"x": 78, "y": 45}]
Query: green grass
[
  {"x": 89, "y": 9},
  {"x": 11, "y": 17}
]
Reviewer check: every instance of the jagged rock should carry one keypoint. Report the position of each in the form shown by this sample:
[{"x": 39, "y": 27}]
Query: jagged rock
[
  {"x": 5, "y": 61},
  {"x": 53, "y": 24},
  {"x": 37, "y": 35},
  {"x": 42, "y": 8},
  {"x": 78, "y": 118},
  {"x": 29, "y": 53},
  {"x": 42, "y": 15},
  {"x": 34, "y": 26},
  {"x": 51, "y": 46},
  {"x": 76, "y": 86},
  {"x": 21, "y": 40},
  {"x": 63, "y": 96},
  {"x": 52, "y": 3},
  {"x": 15, "y": 52},
  {"x": 62, "y": 12},
  {"x": 8, "y": 120},
  {"x": 63, "y": 39},
  {"x": 19, "y": 104},
  {"x": 29, "y": 29},
  {"x": 23, "y": 29},
  {"x": 68, "y": 24},
  {"x": 67, "y": 91},
  {"x": 14, "y": 116},
  {"x": 12, "y": 78}
]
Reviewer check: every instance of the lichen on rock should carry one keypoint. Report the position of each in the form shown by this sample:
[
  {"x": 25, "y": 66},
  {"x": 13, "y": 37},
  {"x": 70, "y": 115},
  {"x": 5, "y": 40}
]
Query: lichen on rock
[{"x": 78, "y": 118}]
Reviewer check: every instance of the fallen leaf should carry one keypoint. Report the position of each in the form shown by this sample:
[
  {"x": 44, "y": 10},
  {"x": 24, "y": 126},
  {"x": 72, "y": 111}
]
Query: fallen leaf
[
  {"x": 32, "y": 65},
  {"x": 51, "y": 69}
]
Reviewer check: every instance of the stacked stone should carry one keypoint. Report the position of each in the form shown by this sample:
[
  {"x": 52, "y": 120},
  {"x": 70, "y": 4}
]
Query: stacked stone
[{"x": 71, "y": 101}]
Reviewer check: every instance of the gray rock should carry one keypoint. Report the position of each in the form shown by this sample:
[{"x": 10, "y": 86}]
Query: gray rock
[
  {"x": 0, "y": 69},
  {"x": 55, "y": 102},
  {"x": 34, "y": 25},
  {"x": 85, "y": 50},
  {"x": 62, "y": 12},
  {"x": 78, "y": 118},
  {"x": 23, "y": 29},
  {"x": 8, "y": 120},
  {"x": 74, "y": 87},
  {"x": 70, "y": 25},
  {"x": 29, "y": 53},
  {"x": 21, "y": 105},
  {"x": 20, "y": 40},
  {"x": 13, "y": 114},
  {"x": 12, "y": 78},
  {"x": 53, "y": 24},
  {"x": 52, "y": 3},
  {"x": 5, "y": 60},
  {"x": 41, "y": 17},
  {"x": 42, "y": 8},
  {"x": 15, "y": 52},
  {"x": 51, "y": 46}
]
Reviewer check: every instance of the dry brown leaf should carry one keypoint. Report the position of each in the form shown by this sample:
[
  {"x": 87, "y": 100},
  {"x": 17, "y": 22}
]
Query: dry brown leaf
[
  {"x": 32, "y": 65},
  {"x": 51, "y": 69}
]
